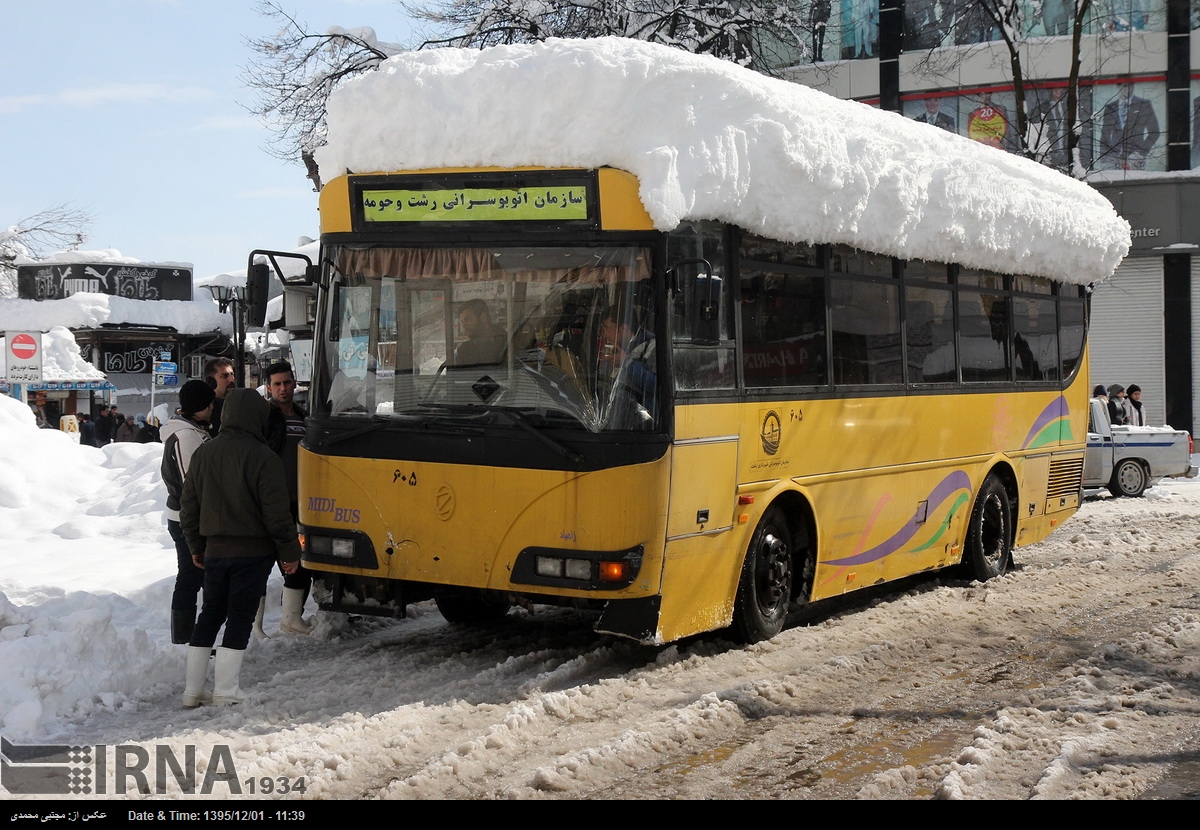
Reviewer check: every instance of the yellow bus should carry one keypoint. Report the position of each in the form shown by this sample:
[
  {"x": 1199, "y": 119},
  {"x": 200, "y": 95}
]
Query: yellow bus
[{"x": 525, "y": 393}]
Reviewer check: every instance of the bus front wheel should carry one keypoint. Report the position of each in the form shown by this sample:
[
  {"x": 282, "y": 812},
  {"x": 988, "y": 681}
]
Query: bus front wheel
[
  {"x": 765, "y": 588},
  {"x": 989, "y": 535}
]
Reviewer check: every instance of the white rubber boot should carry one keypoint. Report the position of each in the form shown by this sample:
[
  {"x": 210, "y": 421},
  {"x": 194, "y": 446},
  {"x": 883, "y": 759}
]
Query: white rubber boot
[
  {"x": 259, "y": 633},
  {"x": 197, "y": 673},
  {"x": 227, "y": 668},
  {"x": 293, "y": 607}
]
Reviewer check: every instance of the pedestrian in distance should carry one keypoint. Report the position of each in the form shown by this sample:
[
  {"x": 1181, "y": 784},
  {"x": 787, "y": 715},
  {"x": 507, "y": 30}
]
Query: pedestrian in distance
[
  {"x": 1118, "y": 410},
  {"x": 1133, "y": 403},
  {"x": 87, "y": 430},
  {"x": 127, "y": 431},
  {"x": 105, "y": 427}
]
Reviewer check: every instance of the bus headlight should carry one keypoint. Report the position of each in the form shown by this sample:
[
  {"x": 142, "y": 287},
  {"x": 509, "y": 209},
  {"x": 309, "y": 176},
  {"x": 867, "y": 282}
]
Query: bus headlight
[
  {"x": 338, "y": 547},
  {"x": 588, "y": 569}
]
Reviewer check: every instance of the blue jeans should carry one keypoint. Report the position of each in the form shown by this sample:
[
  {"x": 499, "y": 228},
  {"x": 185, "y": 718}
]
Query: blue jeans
[
  {"x": 190, "y": 579},
  {"x": 232, "y": 588}
]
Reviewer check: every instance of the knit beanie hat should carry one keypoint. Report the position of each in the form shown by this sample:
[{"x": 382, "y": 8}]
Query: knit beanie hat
[
  {"x": 1115, "y": 389},
  {"x": 194, "y": 396},
  {"x": 1099, "y": 392},
  {"x": 1133, "y": 387}
]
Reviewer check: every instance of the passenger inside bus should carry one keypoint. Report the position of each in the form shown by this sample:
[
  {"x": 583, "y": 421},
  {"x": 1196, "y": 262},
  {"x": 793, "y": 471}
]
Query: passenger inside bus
[{"x": 484, "y": 342}]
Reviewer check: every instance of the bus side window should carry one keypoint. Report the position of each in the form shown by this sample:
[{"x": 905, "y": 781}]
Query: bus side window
[
  {"x": 783, "y": 328},
  {"x": 702, "y": 349}
]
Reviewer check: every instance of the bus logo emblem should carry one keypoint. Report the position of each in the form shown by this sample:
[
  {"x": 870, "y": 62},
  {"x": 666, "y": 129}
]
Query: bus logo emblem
[{"x": 770, "y": 433}]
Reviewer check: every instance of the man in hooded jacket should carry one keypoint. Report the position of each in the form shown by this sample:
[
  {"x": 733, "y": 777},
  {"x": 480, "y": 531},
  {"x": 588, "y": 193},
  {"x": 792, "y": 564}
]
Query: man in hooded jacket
[{"x": 237, "y": 520}]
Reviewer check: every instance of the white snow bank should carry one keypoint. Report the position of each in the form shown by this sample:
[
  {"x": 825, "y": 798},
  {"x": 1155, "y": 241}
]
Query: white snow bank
[{"x": 710, "y": 140}]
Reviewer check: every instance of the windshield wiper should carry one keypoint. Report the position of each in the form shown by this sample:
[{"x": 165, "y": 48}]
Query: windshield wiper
[
  {"x": 339, "y": 437},
  {"x": 517, "y": 416}
]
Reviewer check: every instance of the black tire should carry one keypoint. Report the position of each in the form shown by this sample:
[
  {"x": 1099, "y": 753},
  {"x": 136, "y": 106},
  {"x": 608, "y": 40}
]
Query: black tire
[
  {"x": 765, "y": 588},
  {"x": 1128, "y": 479},
  {"x": 474, "y": 608},
  {"x": 989, "y": 534}
]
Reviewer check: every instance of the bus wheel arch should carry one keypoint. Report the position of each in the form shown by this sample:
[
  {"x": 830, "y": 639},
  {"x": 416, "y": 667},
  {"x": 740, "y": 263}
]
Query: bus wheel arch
[
  {"x": 777, "y": 569},
  {"x": 991, "y": 528}
]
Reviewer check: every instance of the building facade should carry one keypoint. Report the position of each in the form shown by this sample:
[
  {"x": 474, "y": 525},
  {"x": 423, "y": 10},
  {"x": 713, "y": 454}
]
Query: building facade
[{"x": 950, "y": 63}]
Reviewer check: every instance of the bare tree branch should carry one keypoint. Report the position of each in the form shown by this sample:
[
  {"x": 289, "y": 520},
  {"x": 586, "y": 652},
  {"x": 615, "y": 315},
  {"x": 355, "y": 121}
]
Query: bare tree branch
[
  {"x": 294, "y": 70},
  {"x": 59, "y": 228}
]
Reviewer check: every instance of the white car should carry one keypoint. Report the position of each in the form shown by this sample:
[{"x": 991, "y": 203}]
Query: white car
[{"x": 1127, "y": 459}]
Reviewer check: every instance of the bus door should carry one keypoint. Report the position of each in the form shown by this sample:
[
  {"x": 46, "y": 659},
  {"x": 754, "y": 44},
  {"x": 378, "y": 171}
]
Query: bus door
[{"x": 703, "y": 550}]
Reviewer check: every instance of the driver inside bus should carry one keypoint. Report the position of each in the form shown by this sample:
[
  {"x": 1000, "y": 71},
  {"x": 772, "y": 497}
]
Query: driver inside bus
[
  {"x": 484, "y": 343},
  {"x": 626, "y": 352}
]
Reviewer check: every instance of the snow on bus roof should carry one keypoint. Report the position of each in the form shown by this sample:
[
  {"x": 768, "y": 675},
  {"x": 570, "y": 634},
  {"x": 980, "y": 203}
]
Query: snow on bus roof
[{"x": 708, "y": 139}]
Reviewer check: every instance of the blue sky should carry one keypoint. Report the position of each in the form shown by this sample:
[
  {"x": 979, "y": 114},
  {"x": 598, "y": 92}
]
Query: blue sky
[{"x": 132, "y": 109}]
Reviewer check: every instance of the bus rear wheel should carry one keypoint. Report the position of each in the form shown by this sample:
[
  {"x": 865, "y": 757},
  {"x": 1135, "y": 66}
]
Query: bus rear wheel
[
  {"x": 989, "y": 534},
  {"x": 765, "y": 588}
]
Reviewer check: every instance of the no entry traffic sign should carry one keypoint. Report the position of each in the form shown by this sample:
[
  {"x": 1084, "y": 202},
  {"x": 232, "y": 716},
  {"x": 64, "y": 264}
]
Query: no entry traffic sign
[
  {"x": 23, "y": 356},
  {"x": 24, "y": 347}
]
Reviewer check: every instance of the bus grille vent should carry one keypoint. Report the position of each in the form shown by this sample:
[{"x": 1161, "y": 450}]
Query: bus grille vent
[{"x": 1066, "y": 477}]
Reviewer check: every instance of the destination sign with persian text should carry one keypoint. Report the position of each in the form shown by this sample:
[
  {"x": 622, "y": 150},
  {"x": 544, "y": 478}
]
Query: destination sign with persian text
[{"x": 555, "y": 203}]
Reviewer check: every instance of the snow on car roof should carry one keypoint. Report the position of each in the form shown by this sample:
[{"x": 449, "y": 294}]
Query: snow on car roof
[{"x": 708, "y": 139}]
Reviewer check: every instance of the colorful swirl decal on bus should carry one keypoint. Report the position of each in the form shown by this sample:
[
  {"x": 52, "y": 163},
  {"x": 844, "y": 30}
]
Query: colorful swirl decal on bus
[
  {"x": 1050, "y": 427},
  {"x": 953, "y": 492}
]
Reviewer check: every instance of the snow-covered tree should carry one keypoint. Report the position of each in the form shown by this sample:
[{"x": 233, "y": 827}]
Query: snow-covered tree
[
  {"x": 55, "y": 229},
  {"x": 759, "y": 35},
  {"x": 295, "y": 69}
]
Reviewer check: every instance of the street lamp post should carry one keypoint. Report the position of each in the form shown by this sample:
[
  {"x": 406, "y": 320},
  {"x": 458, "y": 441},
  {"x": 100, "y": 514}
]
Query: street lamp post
[{"x": 234, "y": 296}]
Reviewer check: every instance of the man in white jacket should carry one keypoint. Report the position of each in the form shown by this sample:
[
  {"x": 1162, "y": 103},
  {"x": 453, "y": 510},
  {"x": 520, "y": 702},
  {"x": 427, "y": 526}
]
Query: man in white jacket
[{"x": 181, "y": 435}]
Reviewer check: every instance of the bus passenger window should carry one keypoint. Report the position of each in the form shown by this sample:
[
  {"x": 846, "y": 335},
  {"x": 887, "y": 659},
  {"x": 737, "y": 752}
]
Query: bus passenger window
[
  {"x": 865, "y": 318},
  {"x": 983, "y": 336},
  {"x": 1035, "y": 341},
  {"x": 1071, "y": 330},
  {"x": 929, "y": 335},
  {"x": 783, "y": 328}
]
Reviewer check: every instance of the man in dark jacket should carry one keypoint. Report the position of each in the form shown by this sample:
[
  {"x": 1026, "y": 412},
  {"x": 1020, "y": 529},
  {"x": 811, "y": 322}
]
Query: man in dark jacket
[
  {"x": 105, "y": 426},
  {"x": 237, "y": 520},
  {"x": 219, "y": 374},
  {"x": 285, "y": 431}
]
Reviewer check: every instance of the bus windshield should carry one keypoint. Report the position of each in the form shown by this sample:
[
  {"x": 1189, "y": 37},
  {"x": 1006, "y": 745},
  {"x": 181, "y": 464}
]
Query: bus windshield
[{"x": 552, "y": 336}]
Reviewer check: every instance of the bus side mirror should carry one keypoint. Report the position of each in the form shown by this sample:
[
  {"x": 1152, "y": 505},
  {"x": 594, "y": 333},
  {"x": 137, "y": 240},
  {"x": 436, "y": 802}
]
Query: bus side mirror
[
  {"x": 258, "y": 288},
  {"x": 707, "y": 291}
]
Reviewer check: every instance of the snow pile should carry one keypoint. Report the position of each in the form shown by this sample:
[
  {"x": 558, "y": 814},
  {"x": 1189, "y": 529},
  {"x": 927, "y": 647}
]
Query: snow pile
[
  {"x": 66, "y": 644},
  {"x": 708, "y": 139},
  {"x": 85, "y": 311}
]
